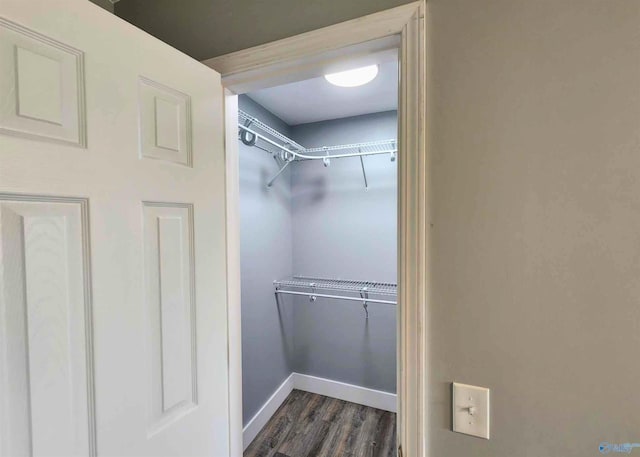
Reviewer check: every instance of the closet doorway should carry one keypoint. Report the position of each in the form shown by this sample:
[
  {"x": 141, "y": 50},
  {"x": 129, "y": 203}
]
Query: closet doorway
[
  {"x": 314, "y": 54},
  {"x": 318, "y": 244}
]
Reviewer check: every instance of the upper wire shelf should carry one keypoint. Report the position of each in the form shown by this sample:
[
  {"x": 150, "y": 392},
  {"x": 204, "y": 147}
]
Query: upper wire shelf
[
  {"x": 261, "y": 131},
  {"x": 254, "y": 132},
  {"x": 357, "y": 149},
  {"x": 254, "y": 125}
]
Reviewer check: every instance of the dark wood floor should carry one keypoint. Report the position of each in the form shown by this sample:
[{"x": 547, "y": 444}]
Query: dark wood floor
[{"x": 310, "y": 425}]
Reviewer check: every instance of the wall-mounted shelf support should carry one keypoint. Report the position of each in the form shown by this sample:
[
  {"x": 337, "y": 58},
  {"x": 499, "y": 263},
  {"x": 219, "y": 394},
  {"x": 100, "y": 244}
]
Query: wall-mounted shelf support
[
  {"x": 272, "y": 180},
  {"x": 364, "y": 174},
  {"x": 364, "y": 294}
]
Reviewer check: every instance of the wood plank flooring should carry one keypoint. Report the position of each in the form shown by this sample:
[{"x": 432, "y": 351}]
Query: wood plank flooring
[{"x": 310, "y": 425}]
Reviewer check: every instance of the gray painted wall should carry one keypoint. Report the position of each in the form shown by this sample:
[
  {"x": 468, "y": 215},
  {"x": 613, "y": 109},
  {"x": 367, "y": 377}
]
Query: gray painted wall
[
  {"x": 106, "y": 4},
  {"x": 534, "y": 121},
  {"x": 210, "y": 28},
  {"x": 266, "y": 255},
  {"x": 342, "y": 231}
]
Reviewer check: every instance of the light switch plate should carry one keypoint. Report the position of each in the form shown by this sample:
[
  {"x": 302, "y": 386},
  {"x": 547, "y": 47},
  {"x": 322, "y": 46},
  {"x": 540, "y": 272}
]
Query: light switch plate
[{"x": 471, "y": 410}]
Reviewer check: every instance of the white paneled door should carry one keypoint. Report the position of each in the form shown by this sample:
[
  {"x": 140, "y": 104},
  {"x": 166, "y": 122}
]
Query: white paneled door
[{"x": 112, "y": 240}]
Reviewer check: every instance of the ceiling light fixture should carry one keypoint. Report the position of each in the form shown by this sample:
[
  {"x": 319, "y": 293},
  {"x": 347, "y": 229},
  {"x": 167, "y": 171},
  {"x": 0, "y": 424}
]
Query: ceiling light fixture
[{"x": 353, "y": 78}]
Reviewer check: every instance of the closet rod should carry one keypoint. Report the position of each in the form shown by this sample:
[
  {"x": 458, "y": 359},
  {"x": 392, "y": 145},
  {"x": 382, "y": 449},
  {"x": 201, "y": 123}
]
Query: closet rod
[
  {"x": 338, "y": 297},
  {"x": 299, "y": 155}
]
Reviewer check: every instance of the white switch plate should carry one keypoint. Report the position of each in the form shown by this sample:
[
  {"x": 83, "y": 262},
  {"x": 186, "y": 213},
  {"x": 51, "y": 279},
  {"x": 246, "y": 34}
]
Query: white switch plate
[{"x": 471, "y": 410}]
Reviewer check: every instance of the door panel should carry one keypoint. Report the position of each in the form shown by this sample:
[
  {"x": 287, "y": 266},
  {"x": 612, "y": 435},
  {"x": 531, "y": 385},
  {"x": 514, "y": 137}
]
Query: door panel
[
  {"x": 170, "y": 296},
  {"x": 112, "y": 238},
  {"x": 41, "y": 86},
  {"x": 45, "y": 339}
]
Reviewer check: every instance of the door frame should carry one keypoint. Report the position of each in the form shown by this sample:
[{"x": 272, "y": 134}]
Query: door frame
[{"x": 403, "y": 28}]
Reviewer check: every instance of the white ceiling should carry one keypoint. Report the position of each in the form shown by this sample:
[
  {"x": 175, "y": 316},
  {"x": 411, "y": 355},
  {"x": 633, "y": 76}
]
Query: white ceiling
[{"x": 316, "y": 99}]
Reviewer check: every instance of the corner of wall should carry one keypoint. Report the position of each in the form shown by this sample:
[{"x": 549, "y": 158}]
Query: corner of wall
[{"x": 105, "y": 4}]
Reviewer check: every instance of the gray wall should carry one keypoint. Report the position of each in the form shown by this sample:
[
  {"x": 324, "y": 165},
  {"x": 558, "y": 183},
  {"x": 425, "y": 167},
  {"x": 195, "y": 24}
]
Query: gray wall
[
  {"x": 106, "y": 4},
  {"x": 266, "y": 254},
  {"x": 210, "y": 28},
  {"x": 534, "y": 136},
  {"x": 342, "y": 231}
]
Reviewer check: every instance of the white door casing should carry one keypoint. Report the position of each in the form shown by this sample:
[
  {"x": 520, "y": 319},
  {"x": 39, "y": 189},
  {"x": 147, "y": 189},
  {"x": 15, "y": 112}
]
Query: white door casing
[
  {"x": 113, "y": 305},
  {"x": 311, "y": 54}
]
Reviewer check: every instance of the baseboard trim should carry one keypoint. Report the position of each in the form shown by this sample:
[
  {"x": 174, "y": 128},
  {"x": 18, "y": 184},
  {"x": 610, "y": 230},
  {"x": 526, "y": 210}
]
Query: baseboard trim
[
  {"x": 348, "y": 392},
  {"x": 260, "y": 419},
  {"x": 321, "y": 386}
]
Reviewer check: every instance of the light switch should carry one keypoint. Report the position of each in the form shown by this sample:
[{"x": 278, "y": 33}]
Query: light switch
[{"x": 471, "y": 410}]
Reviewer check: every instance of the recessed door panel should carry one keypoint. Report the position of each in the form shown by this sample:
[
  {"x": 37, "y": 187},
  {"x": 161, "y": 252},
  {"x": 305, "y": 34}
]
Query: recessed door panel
[
  {"x": 46, "y": 332},
  {"x": 170, "y": 300},
  {"x": 41, "y": 86}
]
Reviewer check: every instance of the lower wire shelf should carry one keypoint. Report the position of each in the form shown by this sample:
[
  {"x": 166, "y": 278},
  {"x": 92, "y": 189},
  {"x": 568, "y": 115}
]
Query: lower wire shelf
[{"x": 343, "y": 289}]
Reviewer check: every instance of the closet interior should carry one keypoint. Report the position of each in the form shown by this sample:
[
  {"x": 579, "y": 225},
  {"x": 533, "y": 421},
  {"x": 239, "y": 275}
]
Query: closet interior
[{"x": 318, "y": 205}]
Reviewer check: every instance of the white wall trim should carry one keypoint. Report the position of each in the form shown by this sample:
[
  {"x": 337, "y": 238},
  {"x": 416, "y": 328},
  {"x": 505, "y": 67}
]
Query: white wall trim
[
  {"x": 234, "y": 312},
  {"x": 293, "y": 49},
  {"x": 260, "y": 419},
  {"x": 348, "y": 392},
  {"x": 321, "y": 386}
]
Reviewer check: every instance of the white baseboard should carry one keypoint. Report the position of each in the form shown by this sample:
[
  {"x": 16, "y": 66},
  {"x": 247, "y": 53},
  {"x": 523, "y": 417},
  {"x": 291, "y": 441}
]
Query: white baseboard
[
  {"x": 261, "y": 418},
  {"x": 343, "y": 391},
  {"x": 321, "y": 386}
]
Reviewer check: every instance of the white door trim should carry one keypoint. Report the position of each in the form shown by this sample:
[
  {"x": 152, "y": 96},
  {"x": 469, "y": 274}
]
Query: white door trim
[
  {"x": 249, "y": 69},
  {"x": 234, "y": 321},
  {"x": 259, "y": 61}
]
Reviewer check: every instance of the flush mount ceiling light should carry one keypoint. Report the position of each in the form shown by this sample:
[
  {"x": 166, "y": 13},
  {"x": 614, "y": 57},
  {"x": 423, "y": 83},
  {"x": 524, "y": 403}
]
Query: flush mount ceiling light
[{"x": 353, "y": 78}]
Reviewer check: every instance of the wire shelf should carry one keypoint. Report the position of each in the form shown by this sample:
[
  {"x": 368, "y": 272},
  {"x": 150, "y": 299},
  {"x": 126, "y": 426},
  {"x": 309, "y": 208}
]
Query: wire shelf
[
  {"x": 245, "y": 119},
  {"x": 273, "y": 141},
  {"x": 312, "y": 284},
  {"x": 254, "y": 132},
  {"x": 371, "y": 147}
]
